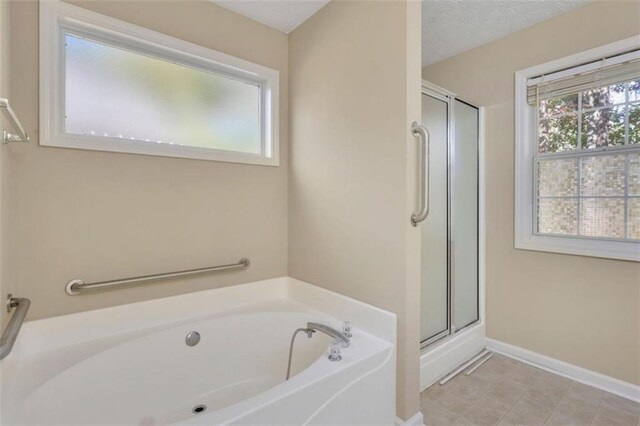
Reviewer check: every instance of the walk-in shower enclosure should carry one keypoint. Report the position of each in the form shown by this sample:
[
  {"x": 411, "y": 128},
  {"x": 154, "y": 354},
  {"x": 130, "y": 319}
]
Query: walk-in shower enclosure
[{"x": 450, "y": 296}]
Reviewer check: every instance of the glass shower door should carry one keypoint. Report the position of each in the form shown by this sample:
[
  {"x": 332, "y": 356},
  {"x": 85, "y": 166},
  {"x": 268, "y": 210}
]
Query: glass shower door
[
  {"x": 449, "y": 235},
  {"x": 464, "y": 215},
  {"x": 434, "y": 230}
]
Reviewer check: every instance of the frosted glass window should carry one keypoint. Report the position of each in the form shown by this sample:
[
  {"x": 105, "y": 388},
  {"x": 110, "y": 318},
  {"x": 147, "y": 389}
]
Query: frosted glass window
[
  {"x": 115, "y": 93},
  {"x": 634, "y": 174},
  {"x": 602, "y": 175},
  {"x": 108, "y": 85},
  {"x": 602, "y": 217},
  {"x": 558, "y": 177},
  {"x": 600, "y": 203},
  {"x": 558, "y": 216},
  {"x": 633, "y": 214}
]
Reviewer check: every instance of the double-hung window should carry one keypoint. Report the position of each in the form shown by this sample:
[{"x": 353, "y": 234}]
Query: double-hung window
[
  {"x": 112, "y": 86},
  {"x": 578, "y": 154}
]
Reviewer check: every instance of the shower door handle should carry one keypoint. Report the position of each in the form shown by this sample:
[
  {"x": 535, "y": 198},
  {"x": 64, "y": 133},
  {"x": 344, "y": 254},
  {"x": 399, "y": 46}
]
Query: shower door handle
[{"x": 423, "y": 172}]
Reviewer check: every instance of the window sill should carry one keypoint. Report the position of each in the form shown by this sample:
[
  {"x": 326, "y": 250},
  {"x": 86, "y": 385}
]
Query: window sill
[
  {"x": 156, "y": 149},
  {"x": 619, "y": 250}
]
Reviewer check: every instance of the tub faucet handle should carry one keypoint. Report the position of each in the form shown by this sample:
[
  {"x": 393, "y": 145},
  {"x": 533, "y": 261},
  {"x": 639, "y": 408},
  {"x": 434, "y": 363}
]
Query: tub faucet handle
[
  {"x": 346, "y": 329},
  {"x": 334, "y": 351}
]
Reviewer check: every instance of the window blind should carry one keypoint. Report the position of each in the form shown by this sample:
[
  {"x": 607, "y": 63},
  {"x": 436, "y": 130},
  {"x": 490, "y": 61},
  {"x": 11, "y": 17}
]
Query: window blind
[{"x": 601, "y": 73}]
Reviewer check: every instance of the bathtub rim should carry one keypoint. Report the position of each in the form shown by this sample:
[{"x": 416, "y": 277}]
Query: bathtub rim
[{"x": 51, "y": 333}]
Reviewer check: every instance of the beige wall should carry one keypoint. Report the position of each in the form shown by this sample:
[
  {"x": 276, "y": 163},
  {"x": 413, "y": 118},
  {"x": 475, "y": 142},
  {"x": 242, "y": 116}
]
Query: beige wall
[
  {"x": 355, "y": 84},
  {"x": 98, "y": 216},
  {"x": 5, "y": 52},
  {"x": 582, "y": 310}
]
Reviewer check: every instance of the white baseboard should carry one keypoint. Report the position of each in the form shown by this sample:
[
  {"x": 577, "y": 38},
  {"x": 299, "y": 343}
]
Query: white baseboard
[
  {"x": 579, "y": 374},
  {"x": 446, "y": 356},
  {"x": 416, "y": 420}
]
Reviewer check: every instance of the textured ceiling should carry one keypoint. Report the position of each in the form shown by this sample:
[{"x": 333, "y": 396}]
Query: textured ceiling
[
  {"x": 283, "y": 15},
  {"x": 450, "y": 27}
]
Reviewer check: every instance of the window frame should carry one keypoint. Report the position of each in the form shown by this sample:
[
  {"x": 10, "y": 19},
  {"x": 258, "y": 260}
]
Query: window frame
[
  {"x": 58, "y": 18},
  {"x": 525, "y": 233}
]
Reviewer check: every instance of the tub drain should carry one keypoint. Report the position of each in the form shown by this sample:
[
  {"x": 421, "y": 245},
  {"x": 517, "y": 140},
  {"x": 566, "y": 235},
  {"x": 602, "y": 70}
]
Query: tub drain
[
  {"x": 192, "y": 339},
  {"x": 199, "y": 409}
]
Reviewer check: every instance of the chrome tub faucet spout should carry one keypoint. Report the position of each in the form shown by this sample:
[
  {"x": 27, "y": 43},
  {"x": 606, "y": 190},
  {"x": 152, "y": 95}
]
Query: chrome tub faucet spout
[
  {"x": 329, "y": 331},
  {"x": 340, "y": 340}
]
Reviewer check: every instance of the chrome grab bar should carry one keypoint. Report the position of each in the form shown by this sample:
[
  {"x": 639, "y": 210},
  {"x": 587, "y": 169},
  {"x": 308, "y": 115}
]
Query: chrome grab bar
[
  {"x": 10, "y": 333},
  {"x": 423, "y": 181},
  {"x": 75, "y": 287},
  {"x": 10, "y": 137}
]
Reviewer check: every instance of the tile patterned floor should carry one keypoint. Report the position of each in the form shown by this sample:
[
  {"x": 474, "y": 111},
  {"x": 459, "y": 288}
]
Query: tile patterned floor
[{"x": 507, "y": 392}]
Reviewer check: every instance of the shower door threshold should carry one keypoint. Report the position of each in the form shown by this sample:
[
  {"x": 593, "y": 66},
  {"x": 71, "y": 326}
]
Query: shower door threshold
[
  {"x": 443, "y": 336},
  {"x": 436, "y": 338}
]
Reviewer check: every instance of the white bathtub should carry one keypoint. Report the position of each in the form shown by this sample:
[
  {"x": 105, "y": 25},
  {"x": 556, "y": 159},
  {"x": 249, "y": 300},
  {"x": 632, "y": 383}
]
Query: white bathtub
[{"x": 130, "y": 364}]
